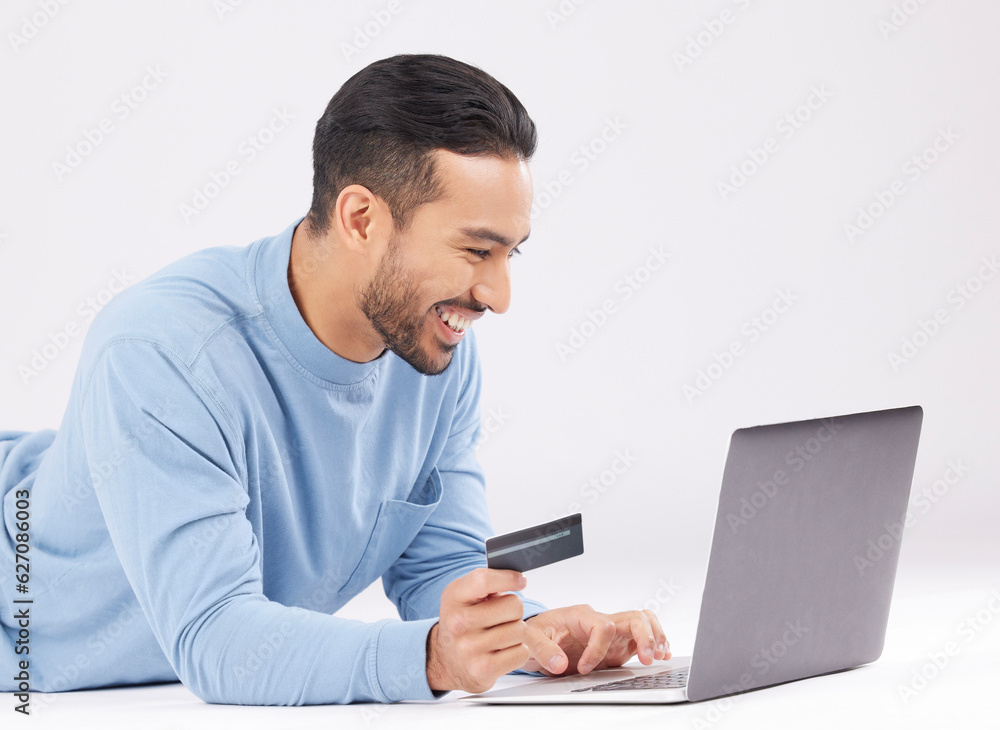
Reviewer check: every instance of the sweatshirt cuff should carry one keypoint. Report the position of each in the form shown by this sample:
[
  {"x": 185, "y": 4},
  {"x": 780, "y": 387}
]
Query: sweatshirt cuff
[
  {"x": 532, "y": 607},
  {"x": 400, "y": 661}
]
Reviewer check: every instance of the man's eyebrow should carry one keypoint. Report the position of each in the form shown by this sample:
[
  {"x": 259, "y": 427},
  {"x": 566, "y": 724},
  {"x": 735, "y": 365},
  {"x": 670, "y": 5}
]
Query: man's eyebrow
[{"x": 485, "y": 234}]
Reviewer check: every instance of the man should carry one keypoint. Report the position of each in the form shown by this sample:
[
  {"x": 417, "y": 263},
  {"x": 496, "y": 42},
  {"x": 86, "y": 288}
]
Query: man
[{"x": 253, "y": 437}]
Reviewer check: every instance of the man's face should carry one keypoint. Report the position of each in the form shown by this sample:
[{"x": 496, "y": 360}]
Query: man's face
[{"x": 452, "y": 262}]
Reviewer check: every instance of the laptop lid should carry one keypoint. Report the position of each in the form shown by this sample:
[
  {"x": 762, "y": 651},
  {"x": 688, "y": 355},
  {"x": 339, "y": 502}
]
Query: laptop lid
[{"x": 804, "y": 554}]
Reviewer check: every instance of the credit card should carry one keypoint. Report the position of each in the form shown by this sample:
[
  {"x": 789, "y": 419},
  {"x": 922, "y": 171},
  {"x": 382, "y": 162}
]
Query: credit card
[{"x": 536, "y": 546}]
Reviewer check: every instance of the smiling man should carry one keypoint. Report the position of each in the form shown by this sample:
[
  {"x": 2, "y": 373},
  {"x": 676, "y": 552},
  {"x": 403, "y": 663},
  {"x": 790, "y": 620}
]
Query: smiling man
[
  {"x": 425, "y": 287},
  {"x": 256, "y": 434}
]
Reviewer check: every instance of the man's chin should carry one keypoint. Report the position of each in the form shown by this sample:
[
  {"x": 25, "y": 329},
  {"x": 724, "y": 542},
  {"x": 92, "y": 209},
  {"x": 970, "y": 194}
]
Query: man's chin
[{"x": 429, "y": 365}]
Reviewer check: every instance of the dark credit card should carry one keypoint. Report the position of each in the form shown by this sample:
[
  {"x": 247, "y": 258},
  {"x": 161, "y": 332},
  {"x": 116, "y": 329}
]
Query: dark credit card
[{"x": 536, "y": 546}]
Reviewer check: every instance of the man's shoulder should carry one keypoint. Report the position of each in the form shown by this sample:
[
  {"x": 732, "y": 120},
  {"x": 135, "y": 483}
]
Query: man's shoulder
[{"x": 180, "y": 306}]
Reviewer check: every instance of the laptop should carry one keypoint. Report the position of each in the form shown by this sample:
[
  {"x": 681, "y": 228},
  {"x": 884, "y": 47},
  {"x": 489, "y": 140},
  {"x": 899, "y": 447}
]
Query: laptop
[{"x": 801, "y": 569}]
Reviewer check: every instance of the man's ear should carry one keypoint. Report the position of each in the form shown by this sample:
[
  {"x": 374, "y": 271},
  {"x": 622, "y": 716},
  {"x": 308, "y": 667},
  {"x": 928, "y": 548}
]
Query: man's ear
[{"x": 363, "y": 221}]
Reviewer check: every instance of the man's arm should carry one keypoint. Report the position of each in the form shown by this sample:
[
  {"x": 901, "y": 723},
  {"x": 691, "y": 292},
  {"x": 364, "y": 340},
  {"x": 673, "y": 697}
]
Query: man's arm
[
  {"x": 174, "y": 509},
  {"x": 452, "y": 542},
  {"x": 452, "y": 545}
]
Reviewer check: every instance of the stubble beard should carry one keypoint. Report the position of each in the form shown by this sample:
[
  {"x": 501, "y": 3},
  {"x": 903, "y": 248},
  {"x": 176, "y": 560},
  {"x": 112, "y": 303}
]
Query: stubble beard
[{"x": 389, "y": 301}]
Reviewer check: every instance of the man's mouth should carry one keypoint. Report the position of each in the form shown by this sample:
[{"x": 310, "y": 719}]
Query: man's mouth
[{"x": 454, "y": 320}]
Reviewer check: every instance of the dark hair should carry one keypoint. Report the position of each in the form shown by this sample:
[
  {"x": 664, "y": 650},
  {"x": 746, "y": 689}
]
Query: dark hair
[{"x": 380, "y": 129}]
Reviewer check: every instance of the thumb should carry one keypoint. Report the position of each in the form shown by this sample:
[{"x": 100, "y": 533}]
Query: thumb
[{"x": 546, "y": 652}]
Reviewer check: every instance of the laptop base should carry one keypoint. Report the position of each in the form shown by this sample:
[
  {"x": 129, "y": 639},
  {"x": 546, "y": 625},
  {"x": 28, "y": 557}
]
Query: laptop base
[{"x": 560, "y": 691}]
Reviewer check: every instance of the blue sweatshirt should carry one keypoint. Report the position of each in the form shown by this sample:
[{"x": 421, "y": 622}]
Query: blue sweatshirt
[{"x": 222, "y": 482}]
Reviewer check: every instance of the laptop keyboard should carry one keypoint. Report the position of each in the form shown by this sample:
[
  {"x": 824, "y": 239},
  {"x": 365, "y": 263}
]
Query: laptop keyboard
[{"x": 668, "y": 679}]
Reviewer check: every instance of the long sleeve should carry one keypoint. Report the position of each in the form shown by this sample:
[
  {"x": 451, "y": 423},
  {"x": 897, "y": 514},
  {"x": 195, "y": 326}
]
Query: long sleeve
[
  {"x": 452, "y": 541},
  {"x": 174, "y": 506}
]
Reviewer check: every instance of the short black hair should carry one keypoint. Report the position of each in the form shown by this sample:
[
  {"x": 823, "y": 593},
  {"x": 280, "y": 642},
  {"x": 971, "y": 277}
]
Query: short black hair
[{"x": 382, "y": 125}]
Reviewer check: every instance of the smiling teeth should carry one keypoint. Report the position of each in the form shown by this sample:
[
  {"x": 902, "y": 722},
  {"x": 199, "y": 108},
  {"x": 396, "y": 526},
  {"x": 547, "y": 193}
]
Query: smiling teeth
[{"x": 454, "y": 320}]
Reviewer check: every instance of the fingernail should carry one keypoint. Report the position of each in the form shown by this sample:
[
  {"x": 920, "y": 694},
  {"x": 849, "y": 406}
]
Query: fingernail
[
  {"x": 661, "y": 648},
  {"x": 554, "y": 662},
  {"x": 583, "y": 668},
  {"x": 523, "y": 581}
]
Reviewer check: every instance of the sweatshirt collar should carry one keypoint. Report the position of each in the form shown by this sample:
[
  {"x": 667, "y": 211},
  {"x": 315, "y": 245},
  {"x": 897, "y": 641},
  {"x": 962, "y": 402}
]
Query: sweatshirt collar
[{"x": 287, "y": 327}]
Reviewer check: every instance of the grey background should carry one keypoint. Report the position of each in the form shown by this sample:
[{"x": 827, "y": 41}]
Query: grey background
[{"x": 554, "y": 422}]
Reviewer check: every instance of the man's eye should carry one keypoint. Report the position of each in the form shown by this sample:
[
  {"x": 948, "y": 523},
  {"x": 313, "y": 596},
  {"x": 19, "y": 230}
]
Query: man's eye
[{"x": 484, "y": 253}]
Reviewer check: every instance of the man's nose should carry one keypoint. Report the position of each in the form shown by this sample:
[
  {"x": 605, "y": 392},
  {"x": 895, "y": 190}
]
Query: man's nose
[{"x": 493, "y": 287}]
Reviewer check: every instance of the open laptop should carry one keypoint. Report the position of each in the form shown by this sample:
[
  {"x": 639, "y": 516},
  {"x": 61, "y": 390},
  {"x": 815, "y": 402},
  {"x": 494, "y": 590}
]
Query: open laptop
[{"x": 801, "y": 570}]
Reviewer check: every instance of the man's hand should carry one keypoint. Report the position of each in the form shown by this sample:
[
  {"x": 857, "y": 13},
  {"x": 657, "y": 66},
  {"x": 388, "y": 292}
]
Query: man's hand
[
  {"x": 479, "y": 635},
  {"x": 579, "y": 639}
]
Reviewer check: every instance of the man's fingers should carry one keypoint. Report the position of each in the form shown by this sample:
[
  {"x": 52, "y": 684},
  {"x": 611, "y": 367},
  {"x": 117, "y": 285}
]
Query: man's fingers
[
  {"x": 494, "y": 611},
  {"x": 650, "y": 640},
  {"x": 546, "y": 652},
  {"x": 590, "y": 640},
  {"x": 602, "y": 631},
  {"x": 507, "y": 660},
  {"x": 480, "y": 623},
  {"x": 480, "y": 633},
  {"x": 642, "y": 633},
  {"x": 501, "y": 637},
  {"x": 643, "y": 627},
  {"x": 662, "y": 643},
  {"x": 482, "y": 582}
]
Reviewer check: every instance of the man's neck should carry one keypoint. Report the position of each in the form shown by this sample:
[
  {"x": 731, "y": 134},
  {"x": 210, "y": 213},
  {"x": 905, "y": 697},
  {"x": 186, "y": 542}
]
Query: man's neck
[{"x": 324, "y": 295}]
